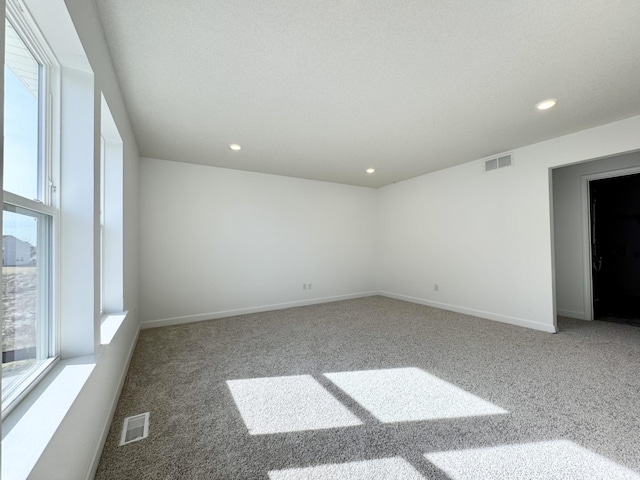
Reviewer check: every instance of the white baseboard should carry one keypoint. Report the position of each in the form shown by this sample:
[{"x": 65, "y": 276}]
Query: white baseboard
[
  {"x": 114, "y": 403},
  {"x": 476, "y": 313},
  {"x": 280, "y": 306},
  {"x": 244, "y": 311},
  {"x": 572, "y": 314}
]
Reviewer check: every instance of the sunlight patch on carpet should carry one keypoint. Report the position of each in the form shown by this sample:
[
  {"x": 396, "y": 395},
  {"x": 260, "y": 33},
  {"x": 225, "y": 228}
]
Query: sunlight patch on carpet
[
  {"x": 288, "y": 404},
  {"x": 551, "y": 460},
  {"x": 379, "y": 469},
  {"x": 410, "y": 394}
]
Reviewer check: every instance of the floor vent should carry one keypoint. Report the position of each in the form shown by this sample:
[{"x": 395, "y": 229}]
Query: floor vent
[
  {"x": 498, "y": 162},
  {"x": 135, "y": 428}
]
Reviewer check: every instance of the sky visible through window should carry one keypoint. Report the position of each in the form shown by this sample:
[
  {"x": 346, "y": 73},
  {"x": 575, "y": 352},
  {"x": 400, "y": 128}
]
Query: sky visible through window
[{"x": 20, "y": 138}]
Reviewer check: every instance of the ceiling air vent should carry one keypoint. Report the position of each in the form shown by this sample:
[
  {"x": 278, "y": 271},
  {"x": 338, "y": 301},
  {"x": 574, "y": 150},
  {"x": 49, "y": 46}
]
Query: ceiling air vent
[
  {"x": 490, "y": 164},
  {"x": 498, "y": 162},
  {"x": 504, "y": 161},
  {"x": 135, "y": 428}
]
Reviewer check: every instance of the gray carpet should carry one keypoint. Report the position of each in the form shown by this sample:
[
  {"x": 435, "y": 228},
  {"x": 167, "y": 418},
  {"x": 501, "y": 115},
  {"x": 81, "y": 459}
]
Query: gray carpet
[{"x": 381, "y": 389}]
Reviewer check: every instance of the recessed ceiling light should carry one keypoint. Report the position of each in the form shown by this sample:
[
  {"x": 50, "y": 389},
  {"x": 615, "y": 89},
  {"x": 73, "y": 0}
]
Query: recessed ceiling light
[
  {"x": 370, "y": 170},
  {"x": 546, "y": 104},
  {"x": 235, "y": 146}
]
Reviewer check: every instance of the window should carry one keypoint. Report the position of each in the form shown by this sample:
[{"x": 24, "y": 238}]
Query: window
[
  {"x": 102, "y": 224},
  {"x": 22, "y": 80},
  {"x": 111, "y": 214},
  {"x": 29, "y": 220}
]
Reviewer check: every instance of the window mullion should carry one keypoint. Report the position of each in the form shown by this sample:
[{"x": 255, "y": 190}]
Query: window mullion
[
  {"x": 36, "y": 206},
  {"x": 44, "y": 290}
]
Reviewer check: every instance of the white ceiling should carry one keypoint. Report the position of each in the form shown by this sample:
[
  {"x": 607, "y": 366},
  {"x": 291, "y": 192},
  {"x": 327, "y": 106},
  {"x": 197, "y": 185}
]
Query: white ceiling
[{"x": 325, "y": 89}]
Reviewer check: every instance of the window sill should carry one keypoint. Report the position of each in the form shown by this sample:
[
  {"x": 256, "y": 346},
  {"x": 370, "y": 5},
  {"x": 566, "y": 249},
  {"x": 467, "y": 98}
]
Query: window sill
[
  {"x": 31, "y": 425},
  {"x": 24, "y": 386},
  {"x": 109, "y": 325},
  {"x": 29, "y": 428}
]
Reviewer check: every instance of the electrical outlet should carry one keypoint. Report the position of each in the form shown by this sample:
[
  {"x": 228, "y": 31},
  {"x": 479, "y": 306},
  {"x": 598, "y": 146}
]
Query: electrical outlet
[
  {"x": 304, "y": 286},
  {"x": 436, "y": 287},
  {"x": 309, "y": 285}
]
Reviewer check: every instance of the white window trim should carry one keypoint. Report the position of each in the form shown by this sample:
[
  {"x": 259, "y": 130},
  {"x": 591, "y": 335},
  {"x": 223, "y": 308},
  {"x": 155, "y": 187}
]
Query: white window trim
[{"x": 36, "y": 206}]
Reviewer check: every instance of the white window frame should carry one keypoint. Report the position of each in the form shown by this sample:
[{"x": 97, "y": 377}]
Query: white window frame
[
  {"x": 111, "y": 226},
  {"x": 102, "y": 223},
  {"x": 46, "y": 204}
]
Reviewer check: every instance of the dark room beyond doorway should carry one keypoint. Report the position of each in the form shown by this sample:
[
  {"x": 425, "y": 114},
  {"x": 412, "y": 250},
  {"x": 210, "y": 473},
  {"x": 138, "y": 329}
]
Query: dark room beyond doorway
[{"x": 615, "y": 248}]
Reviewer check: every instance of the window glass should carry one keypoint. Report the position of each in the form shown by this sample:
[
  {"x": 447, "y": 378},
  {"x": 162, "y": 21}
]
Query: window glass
[
  {"x": 21, "y": 118},
  {"x": 26, "y": 293}
]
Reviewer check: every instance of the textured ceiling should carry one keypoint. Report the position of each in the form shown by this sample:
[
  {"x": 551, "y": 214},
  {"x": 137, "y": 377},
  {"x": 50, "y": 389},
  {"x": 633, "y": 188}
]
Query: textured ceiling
[{"x": 324, "y": 89}]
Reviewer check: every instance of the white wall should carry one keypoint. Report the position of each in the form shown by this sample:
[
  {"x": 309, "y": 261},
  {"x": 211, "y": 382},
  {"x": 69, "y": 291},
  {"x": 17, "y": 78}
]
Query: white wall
[
  {"x": 87, "y": 23},
  {"x": 485, "y": 238},
  {"x": 472, "y": 233},
  {"x": 78, "y": 240},
  {"x": 217, "y": 242},
  {"x": 568, "y": 230}
]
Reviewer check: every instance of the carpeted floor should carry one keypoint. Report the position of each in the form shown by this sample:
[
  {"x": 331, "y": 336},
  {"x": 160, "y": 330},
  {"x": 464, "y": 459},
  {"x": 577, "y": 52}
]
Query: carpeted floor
[{"x": 378, "y": 388}]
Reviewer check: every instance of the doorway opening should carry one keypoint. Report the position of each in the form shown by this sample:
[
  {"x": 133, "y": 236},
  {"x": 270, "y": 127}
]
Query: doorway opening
[{"x": 615, "y": 248}]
